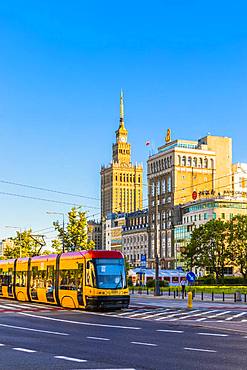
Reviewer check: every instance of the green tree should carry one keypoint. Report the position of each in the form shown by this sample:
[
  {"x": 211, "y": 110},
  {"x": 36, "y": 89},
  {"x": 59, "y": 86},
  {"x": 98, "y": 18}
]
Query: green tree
[
  {"x": 209, "y": 247},
  {"x": 74, "y": 235},
  {"x": 24, "y": 245},
  {"x": 238, "y": 243}
]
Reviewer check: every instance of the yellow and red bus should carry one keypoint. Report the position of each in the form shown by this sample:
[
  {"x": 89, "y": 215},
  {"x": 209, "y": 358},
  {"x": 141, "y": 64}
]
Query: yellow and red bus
[{"x": 85, "y": 280}]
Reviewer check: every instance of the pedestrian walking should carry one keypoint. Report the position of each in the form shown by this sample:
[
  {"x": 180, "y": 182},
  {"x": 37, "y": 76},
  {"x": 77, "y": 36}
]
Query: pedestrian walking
[{"x": 183, "y": 284}]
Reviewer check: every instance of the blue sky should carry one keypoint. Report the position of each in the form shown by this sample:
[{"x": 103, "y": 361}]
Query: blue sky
[{"x": 182, "y": 64}]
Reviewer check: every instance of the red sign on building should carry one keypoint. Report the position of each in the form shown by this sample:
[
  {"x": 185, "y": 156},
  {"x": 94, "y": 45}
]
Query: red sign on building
[{"x": 194, "y": 195}]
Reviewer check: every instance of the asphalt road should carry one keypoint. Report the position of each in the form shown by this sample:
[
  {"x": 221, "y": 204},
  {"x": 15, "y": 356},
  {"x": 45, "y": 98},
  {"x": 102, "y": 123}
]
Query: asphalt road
[{"x": 41, "y": 338}]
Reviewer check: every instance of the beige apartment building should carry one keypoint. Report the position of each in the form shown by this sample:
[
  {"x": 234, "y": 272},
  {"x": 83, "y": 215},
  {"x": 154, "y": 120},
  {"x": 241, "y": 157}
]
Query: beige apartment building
[
  {"x": 182, "y": 171},
  {"x": 121, "y": 181}
]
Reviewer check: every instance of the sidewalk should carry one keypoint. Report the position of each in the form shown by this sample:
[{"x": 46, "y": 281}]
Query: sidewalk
[{"x": 178, "y": 302}]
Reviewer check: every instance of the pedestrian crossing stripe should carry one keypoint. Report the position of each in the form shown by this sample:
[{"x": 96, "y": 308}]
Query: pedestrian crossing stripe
[
  {"x": 173, "y": 314},
  {"x": 22, "y": 307}
]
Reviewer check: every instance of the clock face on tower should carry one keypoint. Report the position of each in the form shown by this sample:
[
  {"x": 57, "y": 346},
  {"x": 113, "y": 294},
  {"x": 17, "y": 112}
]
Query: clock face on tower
[{"x": 122, "y": 139}]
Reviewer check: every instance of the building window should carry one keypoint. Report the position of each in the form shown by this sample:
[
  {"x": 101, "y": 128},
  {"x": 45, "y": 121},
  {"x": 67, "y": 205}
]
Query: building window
[
  {"x": 205, "y": 216},
  {"x": 194, "y": 162},
  {"x": 163, "y": 185},
  {"x": 200, "y": 163},
  {"x": 205, "y": 163},
  {"x": 169, "y": 184},
  {"x": 189, "y": 161},
  {"x": 212, "y": 163},
  {"x": 223, "y": 216},
  {"x": 214, "y": 216},
  {"x": 179, "y": 160},
  {"x": 184, "y": 161}
]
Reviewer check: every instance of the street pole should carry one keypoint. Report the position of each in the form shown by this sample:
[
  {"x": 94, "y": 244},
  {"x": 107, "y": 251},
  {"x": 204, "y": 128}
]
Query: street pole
[
  {"x": 61, "y": 214},
  {"x": 20, "y": 244},
  {"x": 63, "y": 232},
  {"x": 19, "y": 229},
  {"x": 157, "y": 281}
]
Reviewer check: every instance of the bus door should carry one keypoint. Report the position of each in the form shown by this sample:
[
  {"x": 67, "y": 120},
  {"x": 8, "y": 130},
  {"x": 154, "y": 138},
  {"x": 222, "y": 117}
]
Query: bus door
[
  {"x": 80, "y": 283},
  {"x": 1, "y": 282},
  {"x": 10, "y": 282},
  {"x": 34, "y": 283},
  {"x": 21, "y": 279},
  {"x": 50, "y": 284}
]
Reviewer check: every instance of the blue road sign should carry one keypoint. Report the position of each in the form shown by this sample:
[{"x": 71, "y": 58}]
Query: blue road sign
[
  {"x": 143, "y": 260},
  {"x": 191, "y": 277}
]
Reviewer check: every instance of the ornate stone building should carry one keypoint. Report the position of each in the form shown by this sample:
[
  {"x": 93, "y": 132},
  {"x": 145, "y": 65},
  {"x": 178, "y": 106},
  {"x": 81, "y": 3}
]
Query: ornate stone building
[
  {"x": 121, "y": 181},
  {"x": 181, "y": 171}
]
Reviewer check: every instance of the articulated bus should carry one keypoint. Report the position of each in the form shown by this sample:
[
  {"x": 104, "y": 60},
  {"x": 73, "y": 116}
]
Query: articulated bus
[{"x": 84, "y": 280}]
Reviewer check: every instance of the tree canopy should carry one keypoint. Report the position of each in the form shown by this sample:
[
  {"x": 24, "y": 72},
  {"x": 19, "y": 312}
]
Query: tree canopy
[
  {"x": 24, "y": 244},
  {"x": 74, "y": 235},
  {"x": 218, "y": 244}
]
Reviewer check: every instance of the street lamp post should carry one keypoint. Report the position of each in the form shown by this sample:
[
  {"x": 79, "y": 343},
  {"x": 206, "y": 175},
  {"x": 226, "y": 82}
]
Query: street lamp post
[
  {"x": 17, "y": 228},
  {"x": 61, "y": 214},
  {"x": 156, "y": 234}
]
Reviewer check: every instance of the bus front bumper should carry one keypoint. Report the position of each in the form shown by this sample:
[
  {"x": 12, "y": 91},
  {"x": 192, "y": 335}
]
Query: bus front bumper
[{"x": 107, "y": 302}]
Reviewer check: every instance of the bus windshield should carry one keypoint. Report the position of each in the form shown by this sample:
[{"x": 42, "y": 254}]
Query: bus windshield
[{"x": 110, "y": 273}]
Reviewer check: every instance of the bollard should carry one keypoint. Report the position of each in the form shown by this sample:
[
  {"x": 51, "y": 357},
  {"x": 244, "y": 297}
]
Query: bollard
[
  {"x": 190, "y": 301},
  {"x": 223, "y": 297},
  {"x": 169, "y": 291},
  {"x": 202, "y": 296},
  {"x": 174, "y": 294},
  {"x": 212, "y": 296},
  {"x": 238, "y": 297}
]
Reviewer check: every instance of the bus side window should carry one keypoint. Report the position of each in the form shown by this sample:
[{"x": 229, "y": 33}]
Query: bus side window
[{"x": 21, "y": 278}]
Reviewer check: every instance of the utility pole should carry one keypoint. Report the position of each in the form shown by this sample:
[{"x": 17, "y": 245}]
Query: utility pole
[
  {"x": 61, "y": 214},
  {"x": 20, "y": 231},
  {"x": 157, "y": 281}
]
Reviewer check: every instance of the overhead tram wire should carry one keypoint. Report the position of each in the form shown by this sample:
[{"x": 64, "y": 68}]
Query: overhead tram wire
[
  {"x": 47, "y": 200},
  {"x": 47, "y": 189}
]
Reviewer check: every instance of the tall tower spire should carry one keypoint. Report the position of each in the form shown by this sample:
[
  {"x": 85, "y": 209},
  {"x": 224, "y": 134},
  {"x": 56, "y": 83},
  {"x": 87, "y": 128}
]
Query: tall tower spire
[{"x": 121, "y": 110}]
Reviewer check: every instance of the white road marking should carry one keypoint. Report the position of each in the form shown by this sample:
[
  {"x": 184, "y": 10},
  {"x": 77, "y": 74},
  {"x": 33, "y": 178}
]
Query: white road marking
[
  {"x": 140, "y": 313},
  {"x": 176, "y": 314},
  {"x": 170, "y": 331},
  {"x": 18, "y": 306},
  {"x": 145, "y": 344},
  {"x": 159, "y": 313},
  {"x": 30, "y": 329},
  {"x": 128, "y": 312},
  {"x": 70, "y": 359},
  {"x": 97, "y": 338},
  {"x": 199, "y": 349},
  {"x": 7, "y": 308},
  {"x": 79, "y": 322},
  {"x": 2, "y": 345},
  {"x": 195, "y": 314},
  {"x": 24, "y": 350},
  {"x": 25, "y": 306},
  {"x": 234, "y": 316},
  {"x": 213, "y": 334},
  {"x": 211, "y": 316}
]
